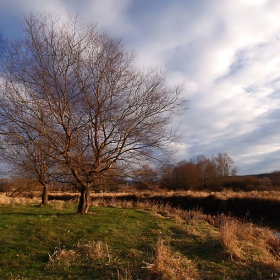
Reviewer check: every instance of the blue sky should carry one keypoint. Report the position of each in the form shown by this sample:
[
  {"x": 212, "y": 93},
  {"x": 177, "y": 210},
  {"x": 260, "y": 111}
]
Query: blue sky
[{"x": 225, "y": 53}]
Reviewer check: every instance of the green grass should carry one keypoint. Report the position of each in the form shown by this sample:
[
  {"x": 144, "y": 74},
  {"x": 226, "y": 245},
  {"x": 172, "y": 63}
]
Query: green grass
[{"x": 28, "y": 234}]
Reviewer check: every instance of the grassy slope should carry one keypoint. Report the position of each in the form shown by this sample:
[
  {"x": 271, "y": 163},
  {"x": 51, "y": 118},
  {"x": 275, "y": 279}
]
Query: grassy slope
[{"x": 29, "y": 233}]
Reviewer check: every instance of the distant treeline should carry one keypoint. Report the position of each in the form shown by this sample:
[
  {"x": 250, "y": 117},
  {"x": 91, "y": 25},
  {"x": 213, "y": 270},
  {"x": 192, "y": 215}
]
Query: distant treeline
[
  {"x": 215, "y": 174},
  {"x": 212, "y": 174}
]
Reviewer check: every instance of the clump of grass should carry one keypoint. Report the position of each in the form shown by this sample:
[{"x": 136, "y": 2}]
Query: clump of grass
[
  {"x": 90, "y": 254},
  {"x": 171, "y": 265},
  {"x": 124, "y": 274},
  {"x": 229, "y": 239},
  {"x": 58, "y": 204},
  {"x": 248, "y": 242},
  {"x": 4, "y": 199}
]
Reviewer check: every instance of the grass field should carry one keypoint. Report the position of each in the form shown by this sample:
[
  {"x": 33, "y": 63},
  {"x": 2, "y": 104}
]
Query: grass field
[{"x": 117, "y": 242}]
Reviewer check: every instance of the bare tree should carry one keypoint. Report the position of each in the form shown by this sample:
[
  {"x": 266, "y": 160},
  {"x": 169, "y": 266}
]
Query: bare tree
[
  {"x": 94, "y": 106},
  {"x": 206, "y": 172},
  {"x": 26, "y": 151},
  {"x": 6, "y": 185},
  {"x": 224, "y": 165},
  {"x": 224, "y": 168},
  {"x": 146, "y": 175},
  {"x": 275, "y": 178},
  {"x": 2, "y": 44}
]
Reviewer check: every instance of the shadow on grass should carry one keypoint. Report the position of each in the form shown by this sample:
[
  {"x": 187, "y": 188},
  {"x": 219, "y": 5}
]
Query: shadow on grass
[
  {"x": 35, "y": 210},
  {"x": 261, "y": 211}
]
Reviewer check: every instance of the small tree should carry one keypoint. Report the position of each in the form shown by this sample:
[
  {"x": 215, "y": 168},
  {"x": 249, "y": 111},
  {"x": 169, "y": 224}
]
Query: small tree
[
  {"x": 23, "y": 146},
  {"x": 96, "y": 108}
]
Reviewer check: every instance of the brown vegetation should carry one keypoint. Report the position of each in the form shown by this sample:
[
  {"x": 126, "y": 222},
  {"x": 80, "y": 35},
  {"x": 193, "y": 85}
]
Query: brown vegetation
[
  {"x": 87, "y": 254},
  {"x": 241, "y": 240},
  {"x": 250, "y": 243},
  {"x": 171, "y": 265},
  {"x": 201, "y": 174}
]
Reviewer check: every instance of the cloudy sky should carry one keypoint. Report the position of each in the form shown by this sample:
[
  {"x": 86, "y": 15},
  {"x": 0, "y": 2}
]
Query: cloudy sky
[{"x": 225, "y": 53}]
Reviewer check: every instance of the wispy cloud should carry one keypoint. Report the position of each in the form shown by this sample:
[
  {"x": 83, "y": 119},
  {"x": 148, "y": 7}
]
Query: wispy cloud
[{"x": 225, "y": 53}]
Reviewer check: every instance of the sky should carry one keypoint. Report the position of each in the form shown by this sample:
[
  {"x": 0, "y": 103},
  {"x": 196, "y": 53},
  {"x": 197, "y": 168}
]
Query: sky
[{"x": 226, "y": 54}]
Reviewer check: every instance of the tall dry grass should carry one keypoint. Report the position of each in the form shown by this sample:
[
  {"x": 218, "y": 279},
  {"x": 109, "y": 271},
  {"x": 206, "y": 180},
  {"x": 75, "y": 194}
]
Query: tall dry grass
[
  {"x": 90, "y": 254},
  {"x": 167, "y": 264},
  {"x": 248, "y": 242},
  {"x": 225, "y": 194},
  {"x": 171, "y": 265},
  {"x": 4, "y": 199}
]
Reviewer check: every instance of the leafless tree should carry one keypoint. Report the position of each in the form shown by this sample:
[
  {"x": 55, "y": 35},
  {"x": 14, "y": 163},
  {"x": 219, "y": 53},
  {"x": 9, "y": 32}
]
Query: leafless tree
[
  {"x": 275, "y": 178},
  {"x": 206, "y": 172},
  {"x": 146, "y": 175},
  {"x": 26, "y": 151},
  {"x": 6, "y": 185},
  {"x": 224, "y": 168},
  {"x": 224, "y": 165},
  {"x": 95, "y": 107}
]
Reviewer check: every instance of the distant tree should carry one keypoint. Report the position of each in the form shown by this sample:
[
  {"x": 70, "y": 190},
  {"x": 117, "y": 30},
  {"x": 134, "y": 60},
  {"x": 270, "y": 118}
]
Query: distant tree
[
  {"x": 165, "y": 176},
  {"x": 224, "y": 168},
  {"x": 206, "y": 172},
  {"x": 251, "y": 183},
  {"x": 23, "y": 146},
  {"x": 94, "y": 106},
  {"x": 179, "y": 175},
  {"x": 6, "y": 185},
  {"x": 224, "y": 165},
  {"x": 275, "y": 178},
  {"x": 146, "y": 176},
  {"x": 185, "y": 175},
  {"x": 24, "y": 186}
]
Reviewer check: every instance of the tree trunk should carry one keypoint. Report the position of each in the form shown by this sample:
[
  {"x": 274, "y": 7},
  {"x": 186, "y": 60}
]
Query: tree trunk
[
  {"x": 45, "y": 195},
  {"x": 84, "y": 202}
]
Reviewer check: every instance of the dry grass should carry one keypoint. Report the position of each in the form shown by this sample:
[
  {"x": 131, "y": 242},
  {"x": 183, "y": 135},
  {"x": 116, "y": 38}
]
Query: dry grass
[
  {"x": 124, "y": 274},
  {"x": 225, "y": 194},
  {"x": 166, "y": 265},
  {"x": 17, "y": 200},
  {"x": 242, "y": 241},
  {"x": 171, "y": 265},
  {"x": 229, "y": 239},
  {"x": 88, "y": 254},
  {"x": 58, "y": 204},
  {"x": 248, "y": 242}
]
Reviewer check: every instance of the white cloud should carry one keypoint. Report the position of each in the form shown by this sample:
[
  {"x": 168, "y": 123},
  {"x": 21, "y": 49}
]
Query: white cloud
[{"x": 226, "y": 54}]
